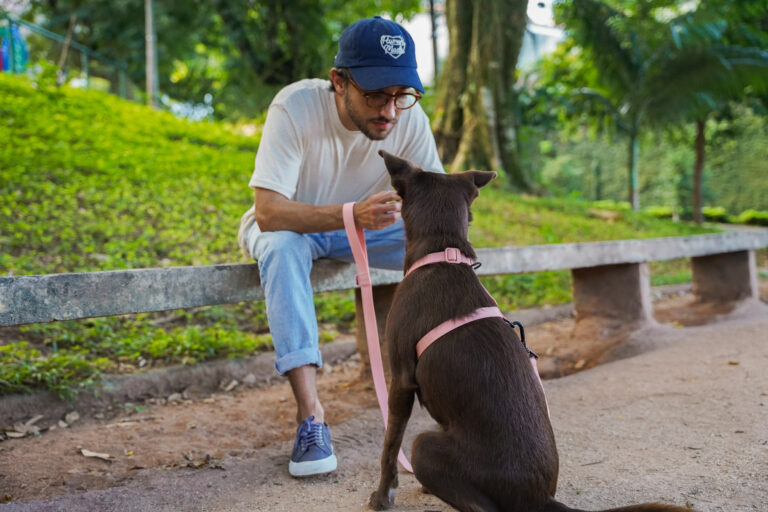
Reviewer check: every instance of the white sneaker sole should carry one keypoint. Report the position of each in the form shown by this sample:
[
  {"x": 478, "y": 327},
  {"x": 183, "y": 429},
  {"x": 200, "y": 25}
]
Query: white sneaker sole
[{"x": 313, "y": 467}]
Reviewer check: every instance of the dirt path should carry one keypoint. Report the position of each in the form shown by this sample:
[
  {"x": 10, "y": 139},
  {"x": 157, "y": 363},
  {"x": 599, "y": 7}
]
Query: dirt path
[{"x": 686, "y": 422}]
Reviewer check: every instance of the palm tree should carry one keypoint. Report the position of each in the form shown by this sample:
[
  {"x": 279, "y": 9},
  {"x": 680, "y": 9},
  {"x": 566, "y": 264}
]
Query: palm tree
[{"x": 653, "y": 74}]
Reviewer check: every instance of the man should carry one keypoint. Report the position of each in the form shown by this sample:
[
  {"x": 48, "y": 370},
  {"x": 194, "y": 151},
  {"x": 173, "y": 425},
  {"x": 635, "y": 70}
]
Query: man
[{"x": 319, "y": 149}]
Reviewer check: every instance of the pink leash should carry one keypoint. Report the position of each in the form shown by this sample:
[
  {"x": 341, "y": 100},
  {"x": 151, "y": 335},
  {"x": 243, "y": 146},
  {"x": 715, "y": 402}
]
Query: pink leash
[{"x": 357, "y": 243}]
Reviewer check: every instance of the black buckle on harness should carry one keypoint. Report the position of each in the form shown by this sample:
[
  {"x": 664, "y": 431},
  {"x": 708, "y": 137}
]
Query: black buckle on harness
[
  {"x": 531, "y": 353},
  {"x": 476, "y": 265}
]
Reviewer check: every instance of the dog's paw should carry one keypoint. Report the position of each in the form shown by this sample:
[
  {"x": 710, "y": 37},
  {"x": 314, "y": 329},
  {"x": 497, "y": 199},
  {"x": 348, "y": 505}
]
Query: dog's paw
[{"x": 382, "y": 501}]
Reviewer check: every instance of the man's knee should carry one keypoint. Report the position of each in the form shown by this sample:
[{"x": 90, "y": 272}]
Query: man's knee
[{"x": 281, "y": 244}]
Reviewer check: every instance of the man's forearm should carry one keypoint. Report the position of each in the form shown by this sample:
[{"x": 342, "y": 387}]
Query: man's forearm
[
  {"x": 275, "y": 212},
  {"x": 299, "y": 217}
]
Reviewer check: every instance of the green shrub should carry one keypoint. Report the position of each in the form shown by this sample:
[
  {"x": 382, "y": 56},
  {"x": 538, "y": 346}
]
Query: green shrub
[
  {"x": 715, "y": 214},
  {"x": 660, "y": 212},
  {"x": 608, "y": 204},
  {"x": 66, "y": 372},
  {"x": 134, "y": 339},
  {"x": 754, "y": 217}
]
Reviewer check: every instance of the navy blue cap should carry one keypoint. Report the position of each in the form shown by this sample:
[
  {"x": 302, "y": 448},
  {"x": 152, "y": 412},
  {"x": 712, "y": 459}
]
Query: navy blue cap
[{"x": 379, "y": 53}]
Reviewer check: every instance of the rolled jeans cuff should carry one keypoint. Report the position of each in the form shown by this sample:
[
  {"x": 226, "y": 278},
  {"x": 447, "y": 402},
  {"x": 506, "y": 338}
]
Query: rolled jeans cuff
[{"x": 298, "y": 358}]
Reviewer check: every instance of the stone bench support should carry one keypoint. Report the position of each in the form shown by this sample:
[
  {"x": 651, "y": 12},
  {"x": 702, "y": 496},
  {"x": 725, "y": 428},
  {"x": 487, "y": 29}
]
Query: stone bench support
[
  {"x": 618, "y": 294},
  {"x": 725, "y": 277}
]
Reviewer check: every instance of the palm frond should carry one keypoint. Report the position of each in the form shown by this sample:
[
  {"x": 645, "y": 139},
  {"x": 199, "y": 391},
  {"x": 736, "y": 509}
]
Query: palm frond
[
  {"x": 695, "y": 28},
  {"x": 597, "y": 104},
  {"x": 695, "y": 79},
  {"x": 597, "y": 27}
]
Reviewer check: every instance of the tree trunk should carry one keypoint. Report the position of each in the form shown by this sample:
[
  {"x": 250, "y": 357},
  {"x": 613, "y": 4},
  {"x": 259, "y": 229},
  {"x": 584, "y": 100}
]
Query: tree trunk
[
  {"x": 698, "y": 170},
  {"x": 150, "y": 37},
  {"x": 475, "y": 114},
  {"x": 634, "y": 195}
]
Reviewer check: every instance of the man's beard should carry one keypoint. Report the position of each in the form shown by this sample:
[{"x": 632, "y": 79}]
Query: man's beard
[{"x": 362, "y": 124}]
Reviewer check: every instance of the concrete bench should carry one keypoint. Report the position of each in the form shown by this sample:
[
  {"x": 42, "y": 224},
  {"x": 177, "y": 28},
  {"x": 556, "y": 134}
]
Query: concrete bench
[{"x": 611, "y": 280}]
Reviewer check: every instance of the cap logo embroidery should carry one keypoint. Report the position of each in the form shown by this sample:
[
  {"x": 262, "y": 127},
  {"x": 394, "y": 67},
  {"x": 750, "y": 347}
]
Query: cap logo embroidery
[{"x": 394, "y": 46}]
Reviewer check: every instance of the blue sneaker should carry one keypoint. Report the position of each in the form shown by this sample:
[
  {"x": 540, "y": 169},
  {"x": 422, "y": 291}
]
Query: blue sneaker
[{"x": 312, "y": 451}]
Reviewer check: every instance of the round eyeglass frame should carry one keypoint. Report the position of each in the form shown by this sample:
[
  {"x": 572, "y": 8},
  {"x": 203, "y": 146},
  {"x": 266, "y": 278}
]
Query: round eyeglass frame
[{"x": 377, "y": 99}]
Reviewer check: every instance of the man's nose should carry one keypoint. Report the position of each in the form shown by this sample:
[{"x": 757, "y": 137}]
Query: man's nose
[{"x": 389, "y": 110}]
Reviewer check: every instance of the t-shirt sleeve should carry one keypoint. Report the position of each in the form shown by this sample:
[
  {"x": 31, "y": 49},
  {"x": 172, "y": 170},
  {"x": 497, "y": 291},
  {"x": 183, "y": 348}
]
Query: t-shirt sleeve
[
  {"x": 420, "y": 146},
  {"x": 278, "y": 159}
]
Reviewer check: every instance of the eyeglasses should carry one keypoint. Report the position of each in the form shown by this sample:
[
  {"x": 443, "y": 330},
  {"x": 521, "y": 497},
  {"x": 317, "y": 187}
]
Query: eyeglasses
[{"x": 377, "y": 99}]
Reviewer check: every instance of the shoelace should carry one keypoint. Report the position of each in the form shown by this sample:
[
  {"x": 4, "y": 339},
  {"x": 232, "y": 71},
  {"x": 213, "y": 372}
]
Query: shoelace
[{"x": 312, "y": 436}]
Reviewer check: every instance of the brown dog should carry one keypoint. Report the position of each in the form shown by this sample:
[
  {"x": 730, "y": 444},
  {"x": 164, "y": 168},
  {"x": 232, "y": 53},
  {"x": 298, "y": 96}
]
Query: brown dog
[{"x": 496, "y": 449}]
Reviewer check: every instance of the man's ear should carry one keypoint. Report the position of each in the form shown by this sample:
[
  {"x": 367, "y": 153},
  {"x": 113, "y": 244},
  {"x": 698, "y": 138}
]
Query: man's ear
[
  {"x": 337, "y": 81},
  {"x": 479, "y": 178}
]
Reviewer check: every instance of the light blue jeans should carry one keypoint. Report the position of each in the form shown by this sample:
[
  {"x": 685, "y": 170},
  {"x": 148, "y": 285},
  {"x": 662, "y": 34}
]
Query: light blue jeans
[{"x": 285, "y": 261}]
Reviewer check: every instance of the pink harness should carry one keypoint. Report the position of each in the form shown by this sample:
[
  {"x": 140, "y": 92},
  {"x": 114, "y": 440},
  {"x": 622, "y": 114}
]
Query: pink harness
[
  {"x": 454, "y": 255},
  {"x": 450, "y": 255}
]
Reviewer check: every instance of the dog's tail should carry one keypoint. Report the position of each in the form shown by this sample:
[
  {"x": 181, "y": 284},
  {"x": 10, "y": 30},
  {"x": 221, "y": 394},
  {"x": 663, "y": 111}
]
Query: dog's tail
[{"x": 556, "y": 506}]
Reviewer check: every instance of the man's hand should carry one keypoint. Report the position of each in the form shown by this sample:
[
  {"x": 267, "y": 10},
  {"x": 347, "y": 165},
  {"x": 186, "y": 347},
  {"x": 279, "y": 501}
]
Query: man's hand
[{"x": 378, "y": 211}]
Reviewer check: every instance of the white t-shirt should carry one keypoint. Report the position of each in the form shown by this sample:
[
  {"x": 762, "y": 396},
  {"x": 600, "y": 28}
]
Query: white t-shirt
[{"x": 308, "y": 156}]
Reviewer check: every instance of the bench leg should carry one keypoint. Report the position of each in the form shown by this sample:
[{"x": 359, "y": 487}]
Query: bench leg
[
  {"x": 726, "y": 277},
  {"x": 612, "y": 297},
  {"x": 382, "y": 300}
]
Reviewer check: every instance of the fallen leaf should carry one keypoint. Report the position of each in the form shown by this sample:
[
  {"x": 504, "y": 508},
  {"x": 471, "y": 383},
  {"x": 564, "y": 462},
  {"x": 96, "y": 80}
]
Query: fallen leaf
[
  {"x": 15, "y": 435},
  {"x": 580, "y": 364},
  {"x": 34, "y": 420},
  {"x": 103, "y": 456},
  {"x": 23, "y": 428},
  {"x": 733, "y": 363},
  {"x": 123, "y": 423}
]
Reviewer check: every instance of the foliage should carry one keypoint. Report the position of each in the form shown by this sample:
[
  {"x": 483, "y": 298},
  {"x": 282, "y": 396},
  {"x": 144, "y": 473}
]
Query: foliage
[
  {"x": 653, "y": 72},
  {"x": 134, "y": 341},
  {"x": 238, "y": 51},
  {"x": 754, "y": 217},
  {"x": 66, "y": 372},
  {"x": 91, "y": 182},
  {"x": 578, "y": 163},
  {"x": 737, "y": 163}
]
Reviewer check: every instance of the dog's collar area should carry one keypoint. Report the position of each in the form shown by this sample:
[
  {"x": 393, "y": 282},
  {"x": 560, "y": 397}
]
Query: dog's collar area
[{"x": 449, "y": 255}]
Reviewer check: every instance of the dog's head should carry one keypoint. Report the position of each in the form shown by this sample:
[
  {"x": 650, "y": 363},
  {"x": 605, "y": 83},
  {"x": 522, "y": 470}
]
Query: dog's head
[{"x": 435, "y": 204}]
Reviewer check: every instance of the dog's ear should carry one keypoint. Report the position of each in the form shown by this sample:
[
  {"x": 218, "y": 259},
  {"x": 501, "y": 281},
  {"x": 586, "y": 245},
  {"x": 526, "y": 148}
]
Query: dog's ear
[
  {"x": 396, "y": 166},
  {"x": 399, "y": 169},
  {"x": 479, "y": 178}
]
